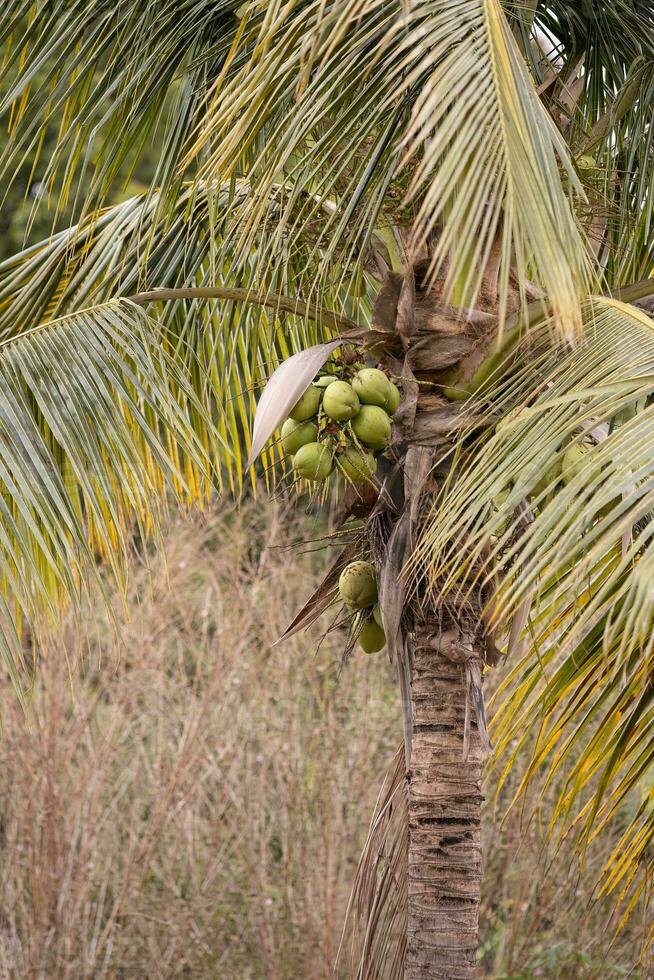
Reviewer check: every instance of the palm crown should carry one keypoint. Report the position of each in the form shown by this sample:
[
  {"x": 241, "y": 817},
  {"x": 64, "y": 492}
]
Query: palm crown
[{"x": 307, "y": 149}]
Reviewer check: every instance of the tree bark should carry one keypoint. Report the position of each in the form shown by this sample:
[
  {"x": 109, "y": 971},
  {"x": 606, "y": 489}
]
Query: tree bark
[
  {"x": 433, "y": 346},
  {"x": 445, "y": 859}
]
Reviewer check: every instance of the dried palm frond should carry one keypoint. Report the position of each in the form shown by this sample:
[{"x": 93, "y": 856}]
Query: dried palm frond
[{"x": 376, "y": 915}]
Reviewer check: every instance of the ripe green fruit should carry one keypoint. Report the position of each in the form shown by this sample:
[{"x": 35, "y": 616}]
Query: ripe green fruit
[
  {"x": 307, "y": 405},
  {"x": 574, "y": 461},
  {"x": 550, "y": 478},
  {"x": 357, "y": 585},
  {"x": 372, "y": 386},
  {"x": 372, "y": 426},
  {"x": 372, "y": 637},
  {"x": 394, "y": 399},
  {"x": 340, "y": 401},
  {"x": 357, "y": 467},
  {"x": 516, "y": 418},
  {"x": 586, "y": 162},
  {"x": 324, "y": 381},
  {"x": 313, "y": 461},
  {"x": 297, "y": 434},
  {"x": 377, "y": 616}
]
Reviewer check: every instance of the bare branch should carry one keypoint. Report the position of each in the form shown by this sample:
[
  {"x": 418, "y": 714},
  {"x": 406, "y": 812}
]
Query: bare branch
[{"x": 275, "y": 301}]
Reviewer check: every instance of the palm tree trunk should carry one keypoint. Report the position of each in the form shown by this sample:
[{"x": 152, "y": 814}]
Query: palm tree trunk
[
  {"x": 445, "y": 648},
  {"x": 445, "y": 860}
]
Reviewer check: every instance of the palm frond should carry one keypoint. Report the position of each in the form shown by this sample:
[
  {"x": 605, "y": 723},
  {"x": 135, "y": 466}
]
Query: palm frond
[
  {"x": 431, "y": 101},
  {"x": 128, "y": 248},
  {"x": 626, "y": 170},
  {"x": 99, "y": 427},
  {"x": 377, "y": 911},
  {"x": 108, "y": 79},
  {"x": 605, "y": 37},
  {"x": 594, "y": 64},
  {"x": 114, "y": 252},
  {"x": 230, "y": 347},
  {"x": 585, "y": 562}
]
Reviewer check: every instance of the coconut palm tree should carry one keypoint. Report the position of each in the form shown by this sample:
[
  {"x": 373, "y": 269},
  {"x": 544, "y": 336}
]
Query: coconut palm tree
[{"x": 462, "y": 190}]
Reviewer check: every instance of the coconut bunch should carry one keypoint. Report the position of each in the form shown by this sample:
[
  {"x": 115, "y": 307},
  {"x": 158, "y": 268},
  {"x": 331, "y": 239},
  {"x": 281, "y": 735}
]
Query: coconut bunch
[
  {"x": 357, "y": 587},
  {"x": 340, "y": 422}
]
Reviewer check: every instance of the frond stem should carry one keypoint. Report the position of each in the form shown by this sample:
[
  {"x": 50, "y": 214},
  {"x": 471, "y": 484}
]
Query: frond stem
[
  {"x": 275, "y": 301},
  {"x": 520, "y": 321},
  {"x": 634, "y": 291}
]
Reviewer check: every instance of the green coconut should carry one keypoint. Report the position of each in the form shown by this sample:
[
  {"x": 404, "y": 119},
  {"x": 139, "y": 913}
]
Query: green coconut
[
  {"x": 372, "y": 426},
  {"x": 357, "y": 585},
  {"x": 550, "y": 478},
  {"x": 394, "y": 399},
  {"x": 574, "y": 460},
  {"x": 372, "y": 637},
  {"x": 586, "y": 162},
  {"x": 325, "y": 381},
  {"x": 307, "y": 406},
  {"x": 357, "y": 466},
  {"x": 372, "y": 386},
  {"x": 297, "y": 434},
  {"x": 516, "y": 418},
  {"x": 498, "y": 502},
  {"x": 340, "y": 401},
  {"x": 377, "y": 616},
  {"x": 313, "y": 461}
]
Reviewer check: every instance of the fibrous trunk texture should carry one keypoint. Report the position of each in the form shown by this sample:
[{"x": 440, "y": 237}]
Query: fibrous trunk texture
[
  {"x": 441, "y": 642},
  {"x": 445, "y": 860}
]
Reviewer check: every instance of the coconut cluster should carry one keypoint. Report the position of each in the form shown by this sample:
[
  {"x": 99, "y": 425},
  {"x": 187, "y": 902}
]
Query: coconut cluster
[
  {"x": 341, "y": 422},
  {"x": 357, "y": 587}
]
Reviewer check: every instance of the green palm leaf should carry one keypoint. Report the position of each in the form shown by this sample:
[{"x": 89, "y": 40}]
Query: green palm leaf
[
  {"x": 584, "y": 564},
  {"x": 594, "y": 65},
  {"x": 127, "y": 248},
  {"x": 99, "y": 426},
  {"x": 111, "y": 78},
  {"x": 230, "y": 348},
  {"x": 433, "y": 96}
]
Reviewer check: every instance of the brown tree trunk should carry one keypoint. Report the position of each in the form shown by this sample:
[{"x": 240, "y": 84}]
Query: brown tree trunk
[
  {"x": 445, "y": 860},
  {"x": 436, "y": 349}
]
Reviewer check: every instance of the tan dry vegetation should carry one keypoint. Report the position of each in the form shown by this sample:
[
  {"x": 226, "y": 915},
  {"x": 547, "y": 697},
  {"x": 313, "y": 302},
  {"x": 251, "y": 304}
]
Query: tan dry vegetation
[{"x": 189, "y": 802}]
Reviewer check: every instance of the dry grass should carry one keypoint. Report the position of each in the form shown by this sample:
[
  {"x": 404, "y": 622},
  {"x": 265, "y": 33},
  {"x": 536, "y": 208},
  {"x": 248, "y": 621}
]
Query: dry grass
[{"x": 190, "y": 802}]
